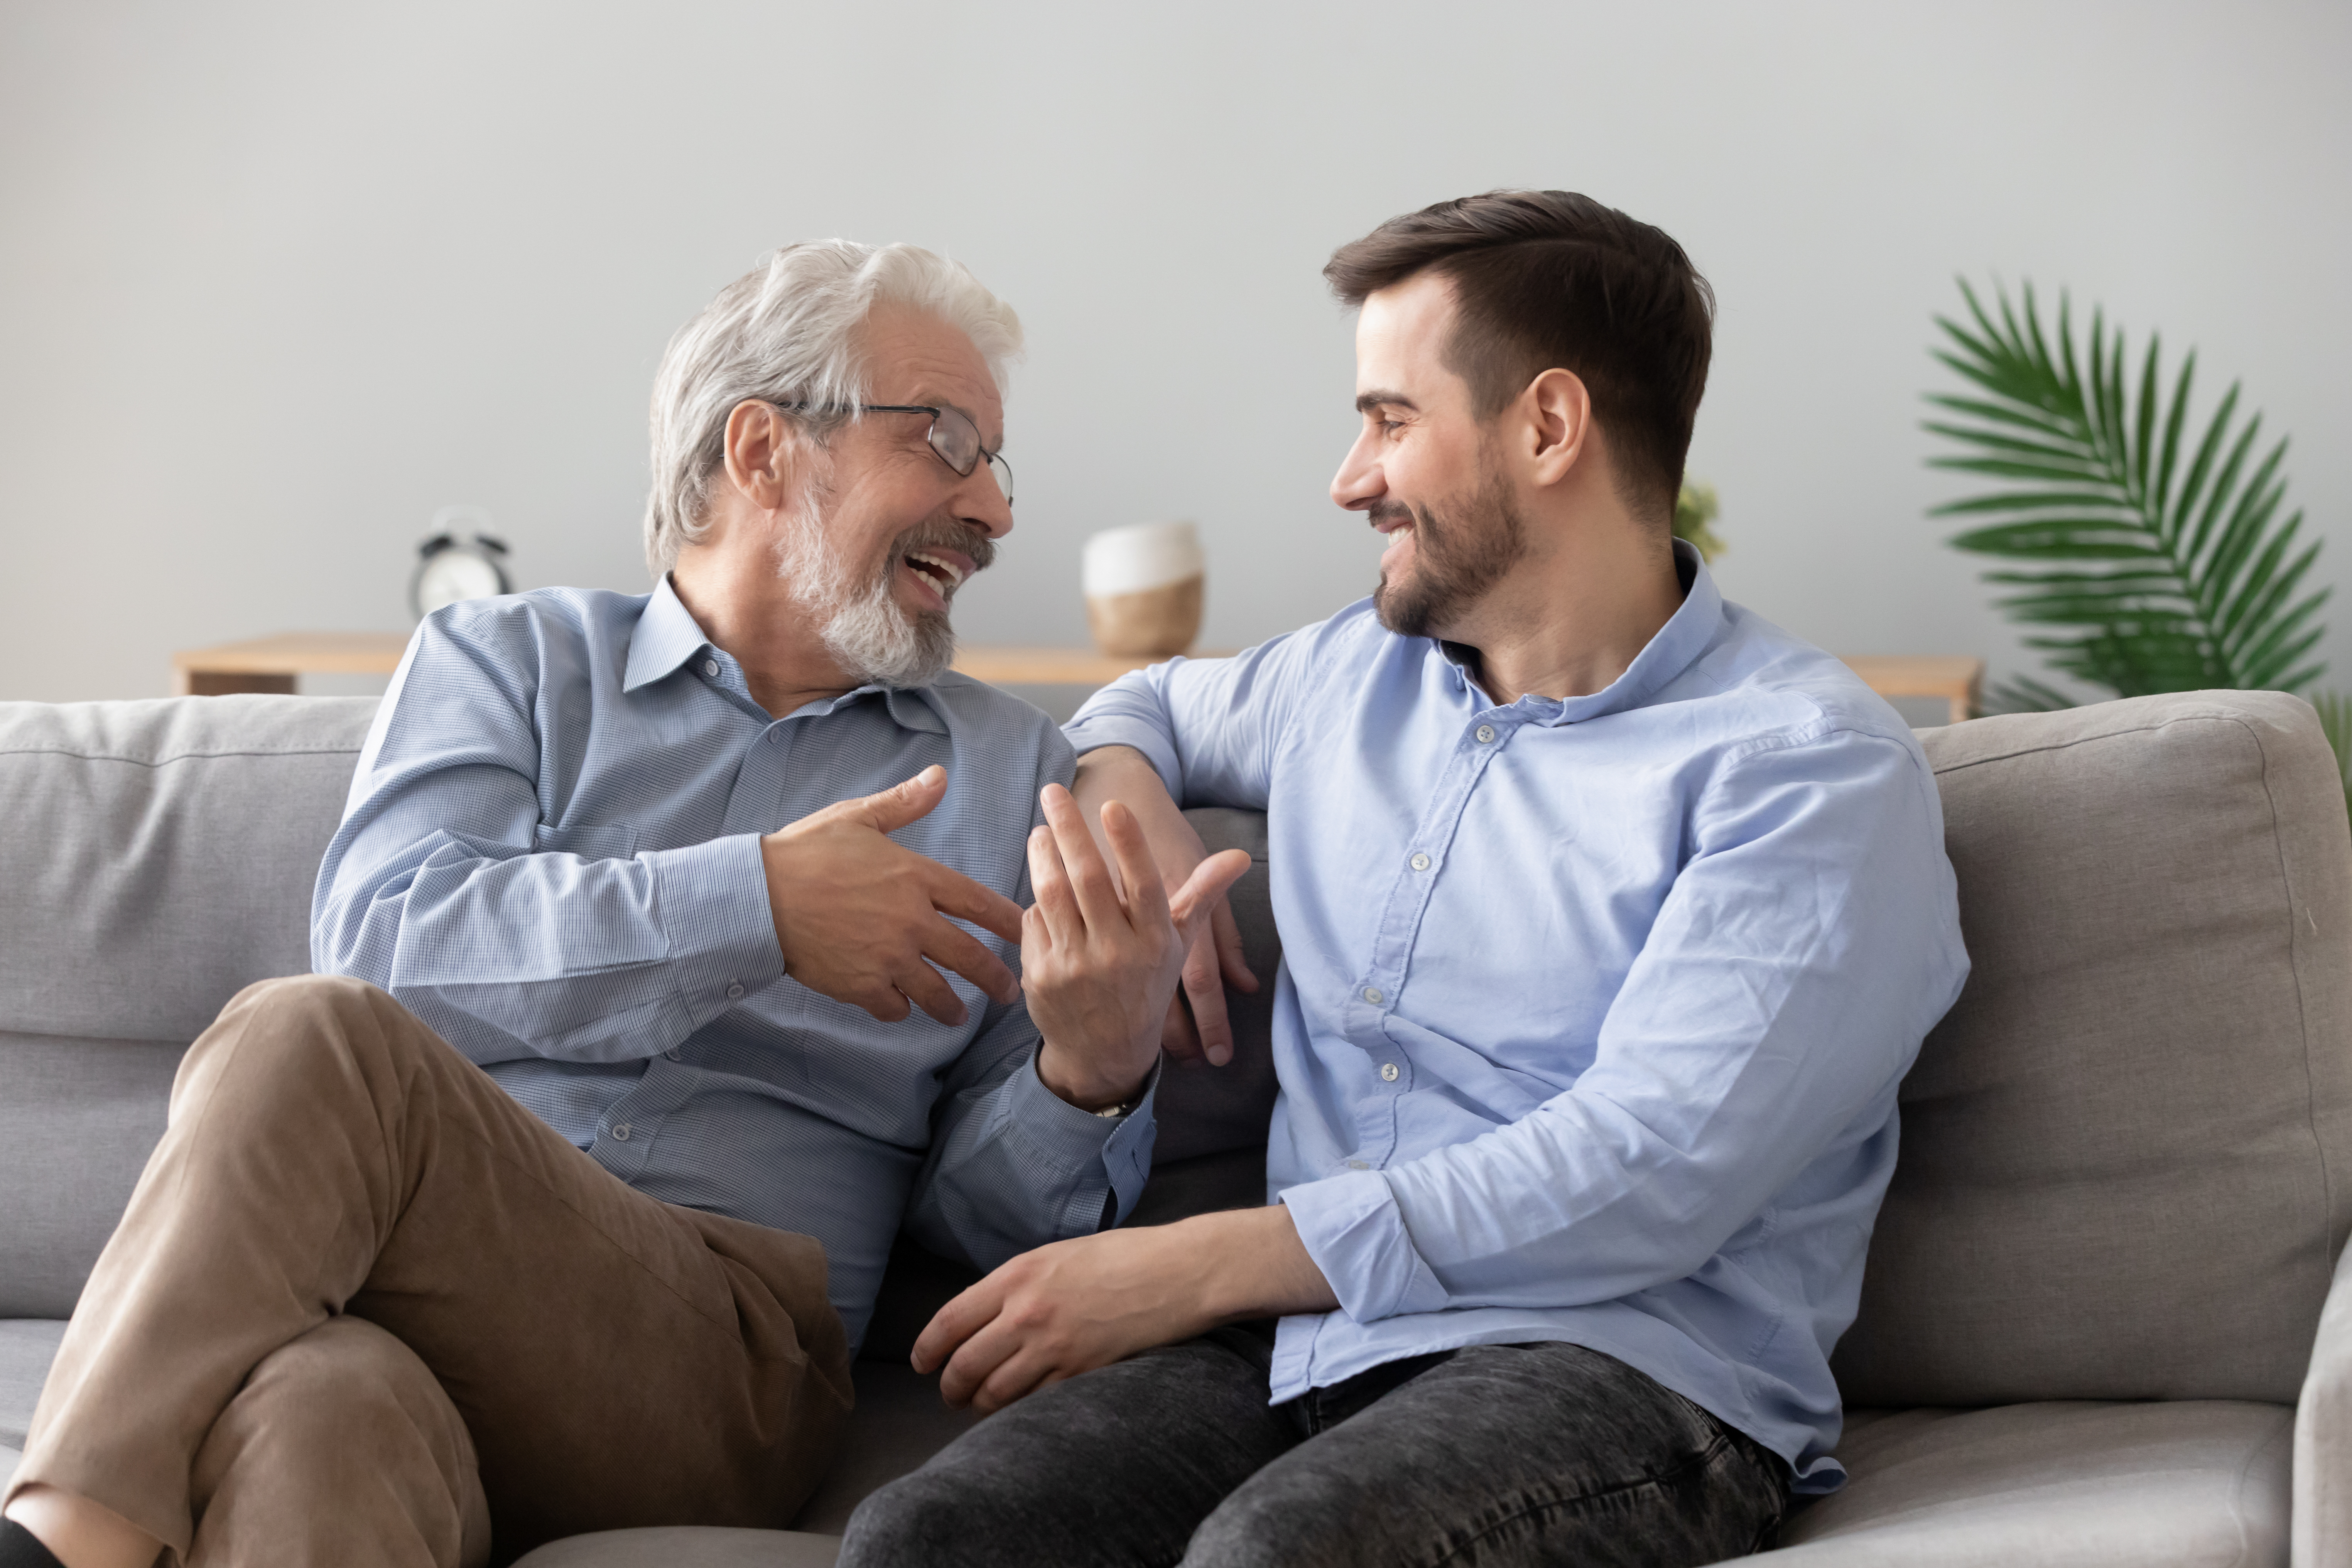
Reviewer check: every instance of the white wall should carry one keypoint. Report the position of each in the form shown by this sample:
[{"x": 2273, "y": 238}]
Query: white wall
[{"x": 278, "y": 280}]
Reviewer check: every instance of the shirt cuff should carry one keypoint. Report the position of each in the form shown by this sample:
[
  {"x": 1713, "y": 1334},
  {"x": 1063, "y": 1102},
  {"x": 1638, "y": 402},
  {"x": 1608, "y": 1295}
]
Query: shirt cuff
[
  {"x": 1093, "y": 731},
  {"x": 711, "y": 902},
  {"x": 1099, "y": 1153},
  {"x": 1353, "y": 1230}
]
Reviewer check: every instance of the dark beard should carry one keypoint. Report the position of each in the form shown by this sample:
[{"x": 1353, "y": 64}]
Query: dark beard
[{"x": 1455, "y": 561}]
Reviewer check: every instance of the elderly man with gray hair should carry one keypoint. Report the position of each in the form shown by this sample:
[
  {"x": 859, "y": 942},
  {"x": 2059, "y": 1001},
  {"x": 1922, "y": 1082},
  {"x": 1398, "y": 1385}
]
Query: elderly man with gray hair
[{"x": 558, "y": 1199}]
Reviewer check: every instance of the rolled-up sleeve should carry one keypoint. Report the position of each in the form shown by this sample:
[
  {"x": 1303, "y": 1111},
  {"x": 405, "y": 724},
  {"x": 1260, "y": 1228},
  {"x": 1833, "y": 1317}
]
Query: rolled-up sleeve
[
  {"x": 1803, "y": 952},
  {"x": 437, "y": 888}
]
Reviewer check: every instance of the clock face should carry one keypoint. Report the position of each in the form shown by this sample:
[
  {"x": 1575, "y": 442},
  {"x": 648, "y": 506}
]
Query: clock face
[{"x": 453, "y": 574}]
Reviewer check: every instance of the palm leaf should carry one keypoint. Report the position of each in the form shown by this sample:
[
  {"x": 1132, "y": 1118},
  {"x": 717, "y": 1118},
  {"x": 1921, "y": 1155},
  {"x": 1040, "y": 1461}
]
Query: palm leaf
[{"x": 2144, "y": 560}]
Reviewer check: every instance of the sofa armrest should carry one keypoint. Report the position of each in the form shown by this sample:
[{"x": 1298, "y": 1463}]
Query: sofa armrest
[{"x": 2323, "y": 1436}]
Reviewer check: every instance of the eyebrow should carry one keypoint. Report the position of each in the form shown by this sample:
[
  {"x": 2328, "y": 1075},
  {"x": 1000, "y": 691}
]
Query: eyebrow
[{"x": 1368, "y": 401}]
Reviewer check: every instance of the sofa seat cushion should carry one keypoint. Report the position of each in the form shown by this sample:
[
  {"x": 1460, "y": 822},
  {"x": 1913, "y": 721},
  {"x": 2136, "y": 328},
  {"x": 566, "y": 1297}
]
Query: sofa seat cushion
[
  {"x": 2055, "y": 1486},
  {"x": 899, "y": 1423},
  {"x": 684, "y": 1546}
]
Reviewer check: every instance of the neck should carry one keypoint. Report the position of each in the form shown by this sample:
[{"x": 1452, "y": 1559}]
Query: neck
[
  {"x": 1573, "y": 615},
  {"x": 730, "y": 585}
]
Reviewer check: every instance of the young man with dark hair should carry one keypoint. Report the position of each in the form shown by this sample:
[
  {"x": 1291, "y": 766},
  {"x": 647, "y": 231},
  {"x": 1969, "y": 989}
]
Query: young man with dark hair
[{"x": 1612, "y": 917}]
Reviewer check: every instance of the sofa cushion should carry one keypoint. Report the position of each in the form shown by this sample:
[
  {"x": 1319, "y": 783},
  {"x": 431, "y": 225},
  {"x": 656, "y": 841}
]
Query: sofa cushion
[
  {"x": 681, "y": 1546},
  {"x": 159, "y": 857},
  {"x": 2125, "y": 1151},
  {"x": 27, "y": 1345},
  {"x": 2055, "y": 1486},
  {"x": 77, "y": 1118},
  {"x": 1213, "y": 1110}
]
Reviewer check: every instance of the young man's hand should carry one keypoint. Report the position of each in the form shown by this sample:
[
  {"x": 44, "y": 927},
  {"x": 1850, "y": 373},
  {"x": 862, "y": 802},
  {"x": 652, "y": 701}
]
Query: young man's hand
[
  {"x": 1072, "y": 1306},
  {"x": 1195, "y": 1027},
  {"x": 1100, "y": 957},
  {"x": 858, "y": 916}
]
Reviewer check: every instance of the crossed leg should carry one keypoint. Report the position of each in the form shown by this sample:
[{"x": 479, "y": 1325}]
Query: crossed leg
[{"x": 344, "y": 1211}]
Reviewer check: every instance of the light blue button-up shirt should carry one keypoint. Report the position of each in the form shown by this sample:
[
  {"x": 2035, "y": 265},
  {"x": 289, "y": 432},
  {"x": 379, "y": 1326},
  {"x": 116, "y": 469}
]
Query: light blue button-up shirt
[
  {"x": 550, "y": 854},
  {"x": 1592, "y": 1013}
]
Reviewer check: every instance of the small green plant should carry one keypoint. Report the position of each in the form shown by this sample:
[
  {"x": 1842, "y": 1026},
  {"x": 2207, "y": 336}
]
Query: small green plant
[
  {"x": 1695, "y": 514},
  {"x": 2144, "y": 562}
]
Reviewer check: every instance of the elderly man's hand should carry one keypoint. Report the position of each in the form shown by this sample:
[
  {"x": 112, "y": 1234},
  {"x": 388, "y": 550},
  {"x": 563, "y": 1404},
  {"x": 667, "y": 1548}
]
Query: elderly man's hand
[
  {"x": 862, "y": 919},
  {"x": 1100, "y": 957}
]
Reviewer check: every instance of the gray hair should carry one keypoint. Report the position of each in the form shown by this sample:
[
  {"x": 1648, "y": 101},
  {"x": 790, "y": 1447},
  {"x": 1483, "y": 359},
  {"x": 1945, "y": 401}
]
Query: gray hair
[{"x": 786, "y": 331}]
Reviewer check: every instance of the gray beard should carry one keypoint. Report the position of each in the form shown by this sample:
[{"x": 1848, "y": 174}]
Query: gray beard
[
  {"x": 875, "y": 642},
  {"x": 1455, "y": 561}
]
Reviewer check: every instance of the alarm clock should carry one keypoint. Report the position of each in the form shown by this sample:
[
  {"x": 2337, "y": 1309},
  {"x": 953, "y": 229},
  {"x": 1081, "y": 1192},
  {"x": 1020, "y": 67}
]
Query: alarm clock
[{"x": 449, "y": 569}]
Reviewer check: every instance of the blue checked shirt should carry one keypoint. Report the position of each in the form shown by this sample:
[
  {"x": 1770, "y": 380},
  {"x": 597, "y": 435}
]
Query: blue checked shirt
[
  {"x": 1592, "y": 1013},
  {"x": 550, "y": 854}
]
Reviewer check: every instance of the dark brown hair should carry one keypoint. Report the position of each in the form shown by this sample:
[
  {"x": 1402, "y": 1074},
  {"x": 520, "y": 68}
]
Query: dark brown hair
[{"x": 1551, "y": 278}]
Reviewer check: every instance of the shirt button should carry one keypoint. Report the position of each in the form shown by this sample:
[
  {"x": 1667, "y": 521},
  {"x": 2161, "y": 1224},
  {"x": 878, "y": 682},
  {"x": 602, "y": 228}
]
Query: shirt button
[
  {"x": 1357, "y": 1165},
  {"x": 675, "y": 1054},
  {"x": 621, "y": 1133},
  {"x": 1372, "y": 994},
  {"x": 1421, "y": 862},
  {"x": 734, "y": 993},
  {"x": 1485, "y": 734},
  {"x": 1388, "y": 1072},
  {"x": 710, "y": 669}
]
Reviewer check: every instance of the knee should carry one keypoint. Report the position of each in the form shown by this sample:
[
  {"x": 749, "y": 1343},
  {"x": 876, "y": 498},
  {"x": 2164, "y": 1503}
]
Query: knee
[
  {"x": 1274, "y": 1526},
  {"x": 933, "y": 1517},
  {"x": 300, "y": 1034}
]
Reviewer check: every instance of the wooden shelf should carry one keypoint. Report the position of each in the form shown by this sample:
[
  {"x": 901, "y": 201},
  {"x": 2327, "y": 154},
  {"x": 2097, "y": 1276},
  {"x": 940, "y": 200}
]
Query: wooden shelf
[
  {"x": 1957, "y": 679},
  {"x": 1051, "y": 665},
  {"x": 272, "y": 663}
]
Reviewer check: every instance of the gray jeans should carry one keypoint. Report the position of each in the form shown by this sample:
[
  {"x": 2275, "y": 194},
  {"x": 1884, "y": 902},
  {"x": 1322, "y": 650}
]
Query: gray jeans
[{"x": 1490, "y": 1456}]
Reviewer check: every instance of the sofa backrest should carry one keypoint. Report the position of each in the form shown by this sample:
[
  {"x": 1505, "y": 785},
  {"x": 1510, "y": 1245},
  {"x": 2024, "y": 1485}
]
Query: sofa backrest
[
  {"x": 2126, "y": 1153},
  {"x": 155, "y": 858}
]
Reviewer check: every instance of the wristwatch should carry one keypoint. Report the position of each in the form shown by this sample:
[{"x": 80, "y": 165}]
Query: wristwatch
[{"x": 1113, "y": 1112}]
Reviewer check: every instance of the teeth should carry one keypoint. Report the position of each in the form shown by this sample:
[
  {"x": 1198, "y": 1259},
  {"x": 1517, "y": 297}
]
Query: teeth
[{"x": 947, "y": 569}]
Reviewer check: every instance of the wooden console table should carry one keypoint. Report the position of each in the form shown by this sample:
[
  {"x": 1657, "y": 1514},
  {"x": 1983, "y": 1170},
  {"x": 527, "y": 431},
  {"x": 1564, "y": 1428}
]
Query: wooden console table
[
  {"x": 272, "y": 663},
  {"x": 1954, "y": 681}
]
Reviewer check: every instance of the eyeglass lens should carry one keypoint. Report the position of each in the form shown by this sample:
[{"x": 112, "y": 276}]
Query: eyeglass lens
[{"x": 956, "y": 439}]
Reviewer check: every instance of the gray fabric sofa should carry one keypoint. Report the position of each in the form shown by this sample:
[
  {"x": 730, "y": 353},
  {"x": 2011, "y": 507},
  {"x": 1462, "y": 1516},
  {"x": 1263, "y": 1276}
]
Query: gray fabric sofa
[{"x": 2098, "y": 1325}]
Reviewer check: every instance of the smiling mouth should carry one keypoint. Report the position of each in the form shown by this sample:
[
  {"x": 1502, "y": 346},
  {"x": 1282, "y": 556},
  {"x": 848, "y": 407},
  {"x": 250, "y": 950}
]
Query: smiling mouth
[{"x": 944, "y": 575}]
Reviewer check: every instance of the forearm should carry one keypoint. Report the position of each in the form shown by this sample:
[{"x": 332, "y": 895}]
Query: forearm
[
  {"x": 510, "y": 954},
  {"x": 1125, "y": 774},
  {"x": 1015, "y": 1167},
  {"x": 1259, "y": 1268}
]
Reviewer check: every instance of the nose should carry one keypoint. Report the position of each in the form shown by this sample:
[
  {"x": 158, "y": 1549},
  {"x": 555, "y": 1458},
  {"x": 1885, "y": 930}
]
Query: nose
[
  {"x": 978, "y": 502},
  {"x": 1360, "y": 482}
]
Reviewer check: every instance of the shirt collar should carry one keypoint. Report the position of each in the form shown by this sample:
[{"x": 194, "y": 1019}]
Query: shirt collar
[
  {"x": 1688, "y": 634},
  {"x": 667, "y": 636}
]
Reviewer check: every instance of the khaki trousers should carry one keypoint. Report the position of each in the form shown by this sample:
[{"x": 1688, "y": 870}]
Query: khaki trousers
[{"x": 366, "y": 1309}]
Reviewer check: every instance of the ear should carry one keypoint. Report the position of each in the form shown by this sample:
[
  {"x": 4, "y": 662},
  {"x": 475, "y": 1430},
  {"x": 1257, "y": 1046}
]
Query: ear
[
  {"x": 761, "y": 449},
  {"x": 1559, "y": 413}
]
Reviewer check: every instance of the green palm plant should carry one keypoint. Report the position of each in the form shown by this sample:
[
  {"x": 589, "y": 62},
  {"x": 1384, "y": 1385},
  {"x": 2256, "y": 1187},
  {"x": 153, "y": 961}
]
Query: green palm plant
[{"x": 2141, "y": 573}]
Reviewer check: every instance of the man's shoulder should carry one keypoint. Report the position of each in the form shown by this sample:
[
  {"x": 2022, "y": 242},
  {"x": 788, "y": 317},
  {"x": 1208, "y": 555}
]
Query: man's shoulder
[
  {"x": 525, "y": 624},
  {"x": 1767, "y": 688}
]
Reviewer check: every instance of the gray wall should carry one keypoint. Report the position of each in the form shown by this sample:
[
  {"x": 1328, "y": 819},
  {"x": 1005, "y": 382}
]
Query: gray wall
[{"x": 278, "y": 280}]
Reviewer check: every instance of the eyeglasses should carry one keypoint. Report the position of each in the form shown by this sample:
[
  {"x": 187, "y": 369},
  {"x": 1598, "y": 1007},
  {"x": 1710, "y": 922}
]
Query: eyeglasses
[{"x": 952, "y": 435}]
